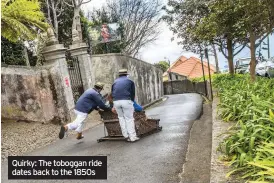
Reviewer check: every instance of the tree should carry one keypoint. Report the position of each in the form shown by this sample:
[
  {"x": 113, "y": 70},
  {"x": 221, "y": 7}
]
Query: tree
[
  {"x": 256, "y": 23},
  {"x": 54, "y": 9},
  {"x": 21, "y": 19},
  {"x": 189, "y": 20},
  {"x": 238, "y": 21},
  {"x": 76, "y": 28},
  {"x": 218, "y": 27},
  {"x": 216, "y": 58},
  {"x": 183, "y": 17},
  {"x": 138, "y": 20},
  {"x": 163, "y": 65},
  {"x": 63, "y": 24}
]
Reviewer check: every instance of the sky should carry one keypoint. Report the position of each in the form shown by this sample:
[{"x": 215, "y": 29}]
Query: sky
[{"x": 163, "y": 48}]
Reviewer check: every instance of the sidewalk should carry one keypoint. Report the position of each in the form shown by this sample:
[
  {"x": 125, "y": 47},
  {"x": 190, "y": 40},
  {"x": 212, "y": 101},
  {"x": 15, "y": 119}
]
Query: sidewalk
[
  {"x": 197, "y": 166},
  {"x": 218, "y": 168},
  {"x": 19, "y": 138}
]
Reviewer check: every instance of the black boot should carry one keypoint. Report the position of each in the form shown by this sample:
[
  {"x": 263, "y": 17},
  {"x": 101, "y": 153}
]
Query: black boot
[{"x": 62, "y": 132}]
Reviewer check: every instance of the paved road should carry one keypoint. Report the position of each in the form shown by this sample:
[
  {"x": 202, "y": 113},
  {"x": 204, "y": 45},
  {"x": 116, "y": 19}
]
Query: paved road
[{"x": 157, "y": 158}]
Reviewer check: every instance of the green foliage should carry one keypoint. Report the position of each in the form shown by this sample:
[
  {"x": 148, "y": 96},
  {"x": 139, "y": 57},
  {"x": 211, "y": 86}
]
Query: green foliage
[
  {"x": 220, "y": 22},
  {"x": 254, "y": 16},
  {"x": 41, "y": 44},
  {"x": 235, "y": 19},
  {"x": 20, "y": 19},
  {"x": 65, "y": 24},
  {"x": 262, "y": 167},
  {"x": 230, "y": 24},
  {"x": 201, "y": 79},
  {"x": 183, "y": 17},
  {"x": 86, "y": 25},
  {"x": 163, "y": 65},
  {"x": 12, "y": 53},
  {"x": 249, "y": 145}
]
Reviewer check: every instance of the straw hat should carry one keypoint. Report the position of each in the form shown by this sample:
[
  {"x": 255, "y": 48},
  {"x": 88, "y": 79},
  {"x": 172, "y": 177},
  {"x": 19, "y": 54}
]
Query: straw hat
[
  {"x": 123, "y": 71},
  {"x": 99, "y": 85}
]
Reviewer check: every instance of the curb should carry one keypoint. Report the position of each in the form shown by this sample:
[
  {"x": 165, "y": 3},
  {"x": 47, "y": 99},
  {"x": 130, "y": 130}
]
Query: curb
[{"x": 152, "y": 103}]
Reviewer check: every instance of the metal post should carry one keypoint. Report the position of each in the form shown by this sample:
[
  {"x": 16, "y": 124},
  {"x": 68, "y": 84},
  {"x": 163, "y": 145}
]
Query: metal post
[
  {"x": 268, "y": 47},
  {"x": 206, "y": 54},
  {"x": 169, "y": 75},
  {"x": 201, "y": 54}
]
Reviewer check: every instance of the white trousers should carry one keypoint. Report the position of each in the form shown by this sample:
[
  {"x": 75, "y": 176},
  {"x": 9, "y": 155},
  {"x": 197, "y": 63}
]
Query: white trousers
[
  {"x": 125, "y": 110},
  {"x": 78, "y": 123}
]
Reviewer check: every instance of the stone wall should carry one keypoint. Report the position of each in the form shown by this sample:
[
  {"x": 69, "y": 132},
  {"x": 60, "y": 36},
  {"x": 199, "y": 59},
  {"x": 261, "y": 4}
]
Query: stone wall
[
  {"x": 31, "y": 94},
  {"x": 187, "y": 86},
  {"x": 148, "y": 79},
  {"x": 44, "y": 95}
]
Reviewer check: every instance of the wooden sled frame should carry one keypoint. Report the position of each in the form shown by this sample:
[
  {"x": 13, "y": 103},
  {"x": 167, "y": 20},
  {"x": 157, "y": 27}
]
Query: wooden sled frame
[{"x": 121, "y": 138}]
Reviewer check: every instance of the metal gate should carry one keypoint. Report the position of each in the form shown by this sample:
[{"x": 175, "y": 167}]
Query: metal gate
[{"x": 75, "y": 77}]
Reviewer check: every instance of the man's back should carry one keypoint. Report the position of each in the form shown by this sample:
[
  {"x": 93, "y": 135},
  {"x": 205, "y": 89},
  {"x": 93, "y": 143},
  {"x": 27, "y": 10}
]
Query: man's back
[
  {"x": 86, "y": 103},
  {"x": 123, "y": 89}
]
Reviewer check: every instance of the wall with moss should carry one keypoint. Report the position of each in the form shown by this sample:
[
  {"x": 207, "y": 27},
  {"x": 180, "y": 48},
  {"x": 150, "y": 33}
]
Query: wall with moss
[{"x": 28, "y": 94}]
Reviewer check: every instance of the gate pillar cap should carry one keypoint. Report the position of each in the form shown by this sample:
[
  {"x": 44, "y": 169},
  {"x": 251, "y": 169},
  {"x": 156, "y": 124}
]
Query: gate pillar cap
[
  {"x": 53, "y": 52},
  {"x": 78, "y": 49}
]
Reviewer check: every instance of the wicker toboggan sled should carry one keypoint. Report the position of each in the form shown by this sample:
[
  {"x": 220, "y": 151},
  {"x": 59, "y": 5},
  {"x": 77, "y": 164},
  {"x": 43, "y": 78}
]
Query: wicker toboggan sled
[{"x": 143, "y": 125}]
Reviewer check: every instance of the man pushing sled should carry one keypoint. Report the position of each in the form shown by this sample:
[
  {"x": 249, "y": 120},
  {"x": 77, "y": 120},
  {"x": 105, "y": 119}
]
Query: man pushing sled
[
  {"x": 122, "y": 95},
  {"x": 91, "y": 99}
]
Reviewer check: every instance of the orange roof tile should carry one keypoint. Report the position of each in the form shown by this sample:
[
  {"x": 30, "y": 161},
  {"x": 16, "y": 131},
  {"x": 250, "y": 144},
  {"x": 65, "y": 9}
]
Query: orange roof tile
[{"x": 190, "y": 67}]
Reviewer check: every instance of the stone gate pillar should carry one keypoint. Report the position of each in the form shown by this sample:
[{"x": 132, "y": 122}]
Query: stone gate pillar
[
  {"x": 79, "y": 50},
  {"x": 56, "y": 64}
]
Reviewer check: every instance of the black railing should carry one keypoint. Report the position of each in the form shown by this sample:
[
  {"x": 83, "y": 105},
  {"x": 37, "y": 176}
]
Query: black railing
[{"x": 75, "y": 77}]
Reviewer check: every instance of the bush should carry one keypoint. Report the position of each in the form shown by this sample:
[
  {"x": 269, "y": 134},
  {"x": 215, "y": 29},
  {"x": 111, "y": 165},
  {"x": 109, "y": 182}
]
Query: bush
[
  {"x": 249, "y": 146},
  {"x": 201, "y": 79}
]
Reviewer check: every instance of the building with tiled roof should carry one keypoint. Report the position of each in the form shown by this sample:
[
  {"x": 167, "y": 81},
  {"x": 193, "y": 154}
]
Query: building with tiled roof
[{"x": 189, "y": 67}]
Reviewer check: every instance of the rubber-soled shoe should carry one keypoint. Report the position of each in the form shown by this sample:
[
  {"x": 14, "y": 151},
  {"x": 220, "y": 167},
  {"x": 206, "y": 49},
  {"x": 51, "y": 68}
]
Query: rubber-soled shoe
[{"x": 133, "y": 139}]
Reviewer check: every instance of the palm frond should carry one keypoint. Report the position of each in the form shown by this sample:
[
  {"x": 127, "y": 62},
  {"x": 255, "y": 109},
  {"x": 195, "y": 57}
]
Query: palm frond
[{"x": 20, "y": 19}]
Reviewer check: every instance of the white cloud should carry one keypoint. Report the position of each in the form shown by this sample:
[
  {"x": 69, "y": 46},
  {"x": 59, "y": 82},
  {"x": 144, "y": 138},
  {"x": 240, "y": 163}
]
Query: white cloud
[
  {"x": 163, "y": 47},
  {"x": 93, "y": 4}
]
